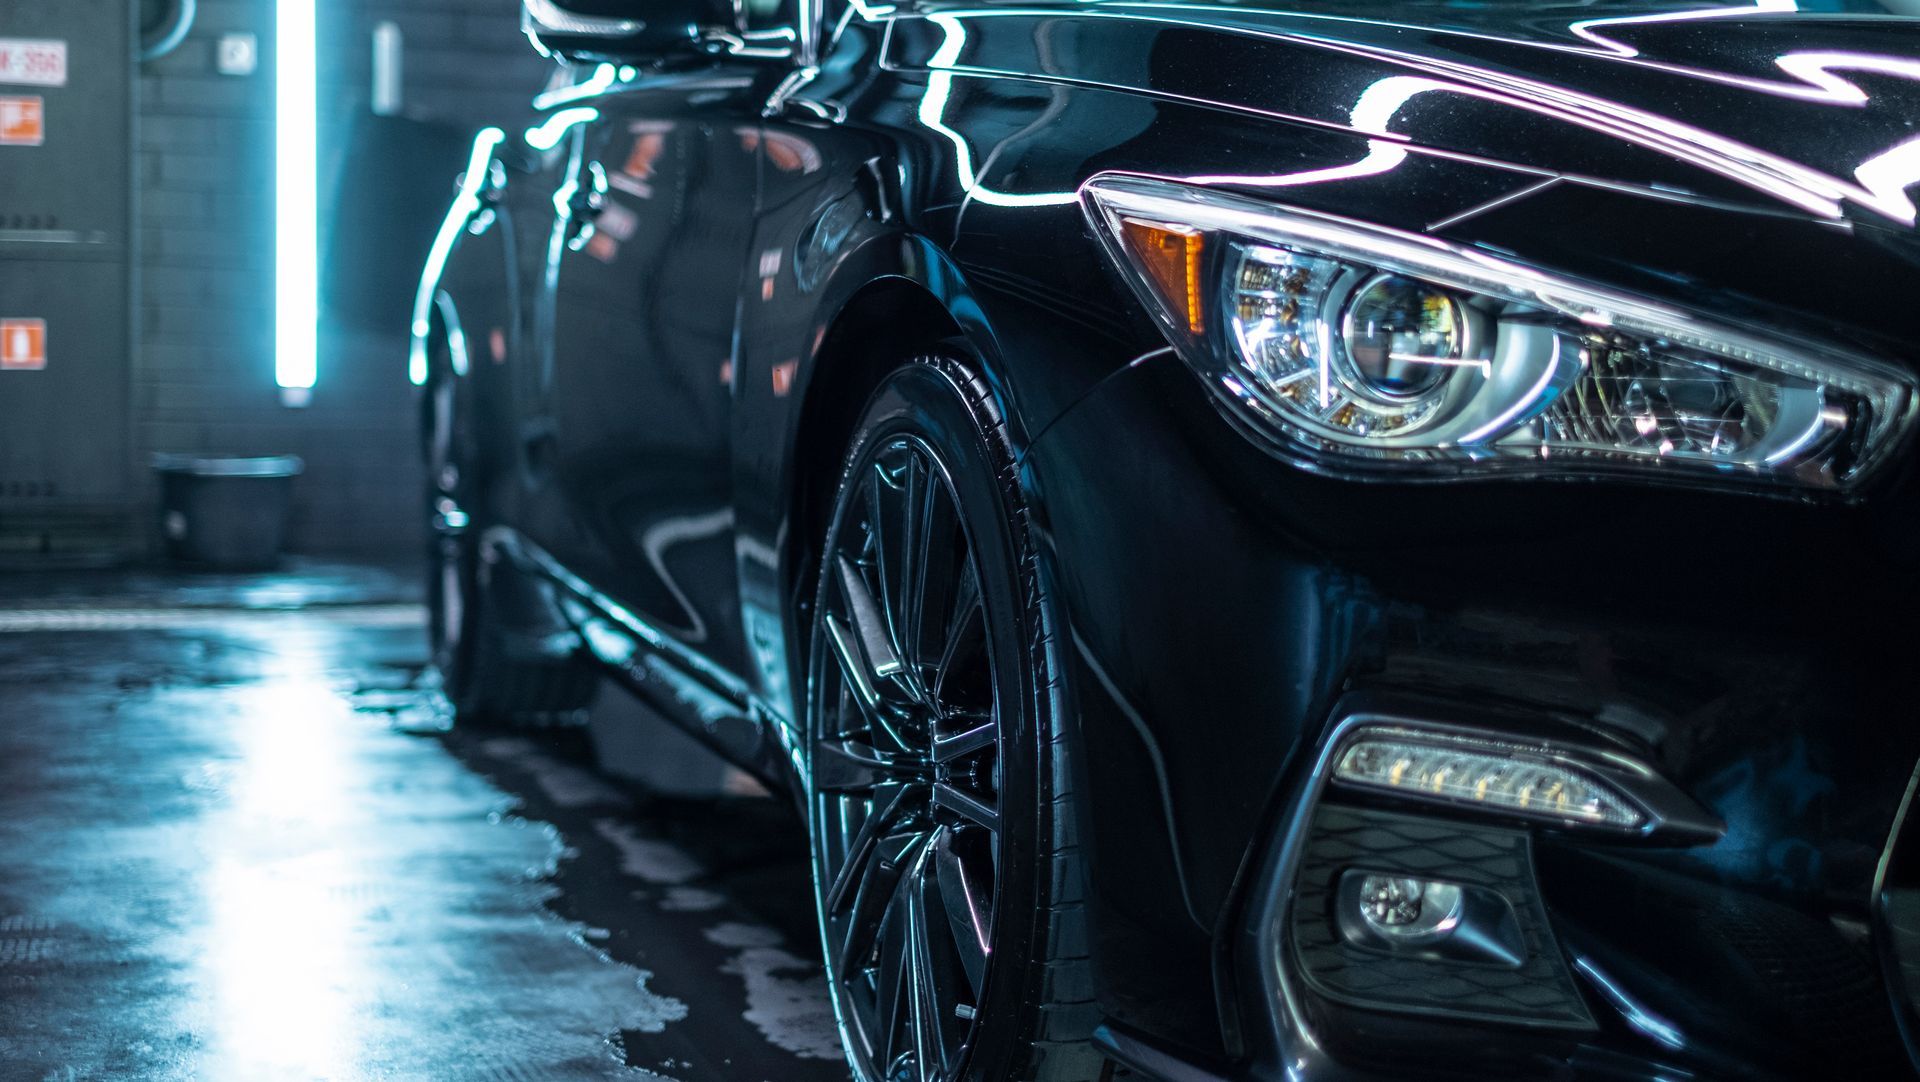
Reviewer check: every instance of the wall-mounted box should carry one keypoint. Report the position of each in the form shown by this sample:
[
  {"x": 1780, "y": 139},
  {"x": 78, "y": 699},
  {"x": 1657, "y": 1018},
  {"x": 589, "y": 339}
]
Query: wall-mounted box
[{"x": 66, "y": 191}]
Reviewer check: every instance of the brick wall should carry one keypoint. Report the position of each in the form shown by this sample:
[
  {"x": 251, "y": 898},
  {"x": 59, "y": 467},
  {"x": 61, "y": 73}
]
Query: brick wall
[{"x": 203, "y": 375}]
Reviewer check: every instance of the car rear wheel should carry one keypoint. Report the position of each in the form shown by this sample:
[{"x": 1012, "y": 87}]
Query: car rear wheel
[
  {"x": 498, "y": 663},
  {"x": 946, "y": 873}
]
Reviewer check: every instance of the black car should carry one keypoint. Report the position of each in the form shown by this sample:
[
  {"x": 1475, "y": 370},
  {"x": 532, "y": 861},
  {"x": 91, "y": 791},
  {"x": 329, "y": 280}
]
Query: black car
[{"x": 1350, "y": 542}]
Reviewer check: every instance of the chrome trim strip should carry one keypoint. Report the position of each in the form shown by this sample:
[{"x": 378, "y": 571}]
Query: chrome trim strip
[{"x": 611, "y": 79}]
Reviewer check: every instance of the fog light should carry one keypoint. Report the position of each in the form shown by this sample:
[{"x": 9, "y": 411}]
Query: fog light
[
  {"x": 1519, "y": 780},
  {"x": 1378, "y": 907},
  {"x": 1409, "y": 910}
]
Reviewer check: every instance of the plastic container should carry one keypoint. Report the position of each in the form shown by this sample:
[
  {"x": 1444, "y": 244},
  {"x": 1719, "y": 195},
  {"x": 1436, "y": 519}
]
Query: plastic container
[{"x": 225, "y": 511}]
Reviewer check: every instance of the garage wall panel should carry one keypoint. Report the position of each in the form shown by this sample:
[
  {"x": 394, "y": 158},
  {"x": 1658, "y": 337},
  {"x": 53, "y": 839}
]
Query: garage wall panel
[
  {"x": 65, "y": 346},
  {"x": 203, "y": 378}
]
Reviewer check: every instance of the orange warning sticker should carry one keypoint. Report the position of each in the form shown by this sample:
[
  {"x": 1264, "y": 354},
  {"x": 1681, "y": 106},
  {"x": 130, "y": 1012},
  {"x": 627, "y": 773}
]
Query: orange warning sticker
[
  {"x": 23, "y": 344},
  {"x": 23, "y": 121}
]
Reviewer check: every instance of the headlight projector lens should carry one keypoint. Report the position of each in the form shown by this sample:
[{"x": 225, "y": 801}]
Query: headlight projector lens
[{"x": 1401, "y": 336}]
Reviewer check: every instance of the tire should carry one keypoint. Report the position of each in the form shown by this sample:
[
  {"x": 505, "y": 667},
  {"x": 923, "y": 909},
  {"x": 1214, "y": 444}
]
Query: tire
[
  {"x": 501, "y": 662},
  {"x": 947, "y": 875}
]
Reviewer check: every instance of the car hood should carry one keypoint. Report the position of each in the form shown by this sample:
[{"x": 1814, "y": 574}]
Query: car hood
[{"x": 1816, "y": 114}]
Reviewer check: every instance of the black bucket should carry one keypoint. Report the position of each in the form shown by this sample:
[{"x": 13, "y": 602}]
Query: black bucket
[{"x": 225, "y": 511}]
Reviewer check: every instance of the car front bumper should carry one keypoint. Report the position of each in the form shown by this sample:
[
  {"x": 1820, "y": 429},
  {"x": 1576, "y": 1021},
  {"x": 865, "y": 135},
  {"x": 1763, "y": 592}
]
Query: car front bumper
[{"x": 1224, "y": 612}]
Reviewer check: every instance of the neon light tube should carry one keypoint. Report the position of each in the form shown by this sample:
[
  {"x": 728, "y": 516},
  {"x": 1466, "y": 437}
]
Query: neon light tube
[{"x": 296, "y": 197}]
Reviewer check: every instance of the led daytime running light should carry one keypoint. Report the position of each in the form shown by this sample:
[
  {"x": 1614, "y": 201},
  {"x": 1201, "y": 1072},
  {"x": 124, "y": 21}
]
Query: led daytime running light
[{"x": 1516, "y": 780}]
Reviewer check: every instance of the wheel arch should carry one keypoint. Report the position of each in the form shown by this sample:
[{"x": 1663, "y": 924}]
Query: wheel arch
[
  {"x": 444, "y": 326},
  {"x": 887, "y": 321},
  {"x": 891, "y": 293},
  {"x": 884, "y": 323},
  {"x": 466, "y": 328}
]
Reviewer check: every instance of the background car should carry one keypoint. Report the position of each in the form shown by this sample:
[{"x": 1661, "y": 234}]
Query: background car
[{"x": 1265, "y": 543}]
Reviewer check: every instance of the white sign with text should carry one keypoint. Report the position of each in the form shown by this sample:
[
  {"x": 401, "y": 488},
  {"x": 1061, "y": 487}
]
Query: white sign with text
[{"x": 33, "y": 62}]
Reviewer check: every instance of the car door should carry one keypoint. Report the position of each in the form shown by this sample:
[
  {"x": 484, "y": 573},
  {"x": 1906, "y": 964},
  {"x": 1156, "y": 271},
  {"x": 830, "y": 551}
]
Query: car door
[{"x": 651, "y": 225}]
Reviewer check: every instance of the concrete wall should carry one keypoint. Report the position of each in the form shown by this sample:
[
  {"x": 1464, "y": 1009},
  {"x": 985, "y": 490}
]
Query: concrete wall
[{"x": 203, "y": 373}]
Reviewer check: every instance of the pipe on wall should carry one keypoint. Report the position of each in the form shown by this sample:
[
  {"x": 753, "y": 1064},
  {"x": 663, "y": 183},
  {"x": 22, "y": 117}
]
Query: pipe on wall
[
  {"x": 164, "y": 25},
  {"x": 388, "y": 46}
]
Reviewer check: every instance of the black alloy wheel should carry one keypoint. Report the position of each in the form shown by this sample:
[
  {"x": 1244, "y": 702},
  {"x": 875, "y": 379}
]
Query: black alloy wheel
[
  {"x": 452, "y": 547},
  {"x": 931, "y": 720}
]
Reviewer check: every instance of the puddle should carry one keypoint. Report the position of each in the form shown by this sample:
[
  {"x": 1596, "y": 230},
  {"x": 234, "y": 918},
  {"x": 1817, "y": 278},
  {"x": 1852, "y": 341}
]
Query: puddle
[{"x": 786, "y": 996}]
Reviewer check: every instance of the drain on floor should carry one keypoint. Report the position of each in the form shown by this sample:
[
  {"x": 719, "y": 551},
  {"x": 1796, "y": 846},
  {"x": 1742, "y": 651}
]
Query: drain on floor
[{"x": 27, "y": 940}]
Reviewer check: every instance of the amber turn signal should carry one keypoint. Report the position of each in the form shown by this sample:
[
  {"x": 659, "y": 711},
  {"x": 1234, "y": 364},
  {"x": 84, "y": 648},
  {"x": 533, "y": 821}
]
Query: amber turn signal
[{"x": 1170, "y": 254}]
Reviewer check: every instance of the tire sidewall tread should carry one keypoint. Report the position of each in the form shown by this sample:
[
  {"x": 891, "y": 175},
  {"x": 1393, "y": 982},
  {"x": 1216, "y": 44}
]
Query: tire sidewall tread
[{"x": 940, "y": 400}]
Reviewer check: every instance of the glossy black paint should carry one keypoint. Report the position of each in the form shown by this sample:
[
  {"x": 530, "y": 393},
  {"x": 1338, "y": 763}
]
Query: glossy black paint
[{"x": 667, "y": 406}]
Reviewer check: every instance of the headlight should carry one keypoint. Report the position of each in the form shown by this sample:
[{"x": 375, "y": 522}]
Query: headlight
[{"x": 1367, "y": 352}]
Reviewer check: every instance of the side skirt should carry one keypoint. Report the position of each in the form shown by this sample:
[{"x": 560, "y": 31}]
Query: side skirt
[{"x": 713, "y": 705}]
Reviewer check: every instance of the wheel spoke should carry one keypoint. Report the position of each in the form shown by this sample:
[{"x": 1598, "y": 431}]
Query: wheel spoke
[
  {"x": 964, "y": 743},
  {"x": 872, "y": 904},
  {"x": 917, "y": 507},
  {"x": 965, "y": 804},
  {"x": 929, "y": 1051},
  {"x": 964, "y": 623},
  {"x": 872, "y": 707},
  {"x": 937, "y": 584},
  {"x": 907, "y": 558},
  {"x": 852, "y": 666},
  {"x": 852, "y": 765},
  {"x": 870, "y": 632},
  {"x": 966, "y": 910},
  {"x": 894, "y": 983},
  {"x": 883, "y": 531},
  {"x": 903, "y": 581},
  {"x": 860, "y": 850}
]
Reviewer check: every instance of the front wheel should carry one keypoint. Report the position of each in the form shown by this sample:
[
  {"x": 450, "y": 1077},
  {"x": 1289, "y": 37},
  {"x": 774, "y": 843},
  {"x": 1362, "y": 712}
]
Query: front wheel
[{"x": 946, "y": 874}]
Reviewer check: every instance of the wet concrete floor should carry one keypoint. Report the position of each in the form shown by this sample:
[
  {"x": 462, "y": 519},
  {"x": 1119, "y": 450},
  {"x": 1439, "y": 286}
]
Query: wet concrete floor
[{"x": 237, "y": 843}]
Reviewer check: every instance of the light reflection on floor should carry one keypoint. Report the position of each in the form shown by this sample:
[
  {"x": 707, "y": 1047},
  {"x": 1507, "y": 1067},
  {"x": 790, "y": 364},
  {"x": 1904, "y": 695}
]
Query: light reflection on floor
[
  {"x": 224, "y": 870},
  {"x": 285, "y": 964},
  {"x": 282, "y": 1003}
]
